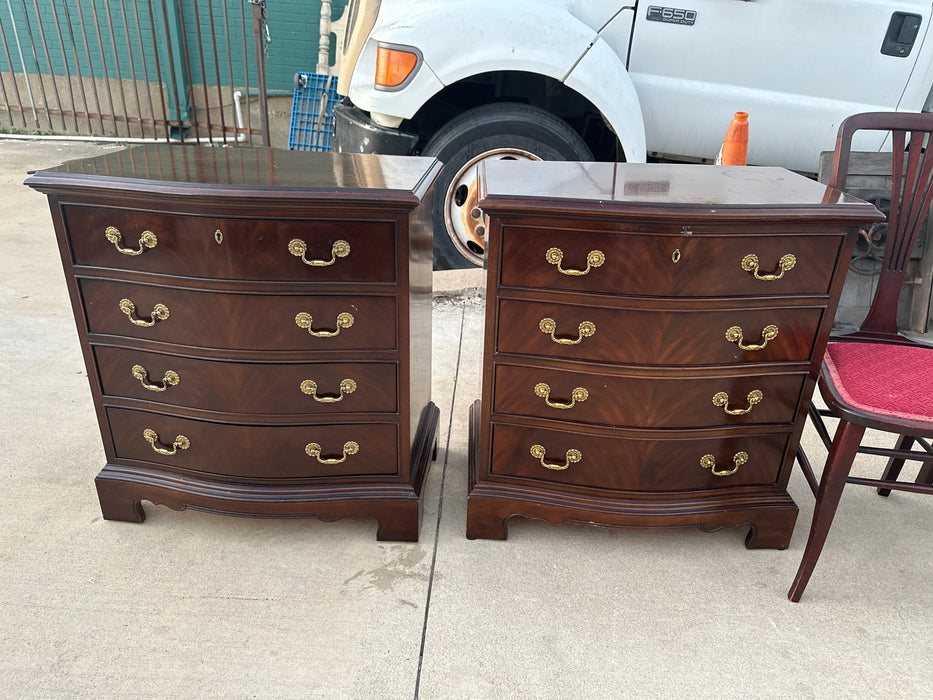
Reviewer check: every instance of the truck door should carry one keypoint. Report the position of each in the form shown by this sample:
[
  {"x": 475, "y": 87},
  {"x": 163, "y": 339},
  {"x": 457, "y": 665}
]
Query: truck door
[{"x": 797, "y": 66}]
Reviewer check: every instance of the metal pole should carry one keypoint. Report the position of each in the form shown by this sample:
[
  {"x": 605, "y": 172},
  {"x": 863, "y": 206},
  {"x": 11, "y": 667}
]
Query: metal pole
[
  {"x": 261, "y": 37},
  {"x": 19, "y": 48}
]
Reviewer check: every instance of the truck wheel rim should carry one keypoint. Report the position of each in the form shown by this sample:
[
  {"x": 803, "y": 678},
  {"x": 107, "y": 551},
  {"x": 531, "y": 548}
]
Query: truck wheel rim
[{"x": 466, "y": 224}]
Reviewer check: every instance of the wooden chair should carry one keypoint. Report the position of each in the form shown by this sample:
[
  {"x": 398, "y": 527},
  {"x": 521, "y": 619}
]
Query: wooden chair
[{"x": 875, "y": 377}]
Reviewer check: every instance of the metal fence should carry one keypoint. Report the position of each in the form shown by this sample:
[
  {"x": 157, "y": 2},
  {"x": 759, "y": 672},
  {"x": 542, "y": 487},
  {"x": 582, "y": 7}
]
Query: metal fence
[{"x": 135, "y": 70}]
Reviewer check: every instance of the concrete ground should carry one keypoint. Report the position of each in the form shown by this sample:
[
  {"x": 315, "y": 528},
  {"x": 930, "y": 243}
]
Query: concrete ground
[{"x": 193, "y": 604}]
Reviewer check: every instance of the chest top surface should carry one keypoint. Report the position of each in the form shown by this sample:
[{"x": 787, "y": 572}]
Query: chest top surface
[
  {"x": 671, "y": 190},
  {"x": 163, "y": 169}
]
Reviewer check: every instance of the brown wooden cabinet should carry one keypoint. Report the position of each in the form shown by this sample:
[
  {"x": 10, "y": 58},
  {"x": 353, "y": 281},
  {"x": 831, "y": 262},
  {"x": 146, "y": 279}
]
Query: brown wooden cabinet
[
  {"x": 257, "y": 328},
  {"x": 653, "y": 335}
]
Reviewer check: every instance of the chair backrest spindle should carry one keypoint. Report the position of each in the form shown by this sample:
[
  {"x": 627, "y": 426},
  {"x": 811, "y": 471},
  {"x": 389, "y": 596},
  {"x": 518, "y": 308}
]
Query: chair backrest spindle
[{"x": 911, "y": 197}]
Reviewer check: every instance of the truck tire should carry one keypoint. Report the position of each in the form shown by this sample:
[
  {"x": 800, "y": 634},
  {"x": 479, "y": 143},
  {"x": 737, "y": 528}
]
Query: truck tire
[{"x": 505, "y": 130}]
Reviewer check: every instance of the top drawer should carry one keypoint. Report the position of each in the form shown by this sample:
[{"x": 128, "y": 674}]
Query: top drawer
[
  {"x": 647, "y": 264},
  {"x": 240, "y": 249}
]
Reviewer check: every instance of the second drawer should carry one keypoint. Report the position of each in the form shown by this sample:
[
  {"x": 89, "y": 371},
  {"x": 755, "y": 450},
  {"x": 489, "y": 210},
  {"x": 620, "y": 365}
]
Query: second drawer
[
  {"x": 658, "y": 401},
  {"x": 241, "y": 321},
  {"x": 311, "y": 388}
]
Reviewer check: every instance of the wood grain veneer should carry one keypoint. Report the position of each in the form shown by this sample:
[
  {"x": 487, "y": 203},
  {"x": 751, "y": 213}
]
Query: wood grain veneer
[
  {"x": 229, "y": 430},
  {"x": 655, "y": 259}
]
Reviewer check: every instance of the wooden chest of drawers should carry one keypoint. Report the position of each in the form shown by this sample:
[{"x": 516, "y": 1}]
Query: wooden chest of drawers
[
  {"x": 653, "y": 335},
  {"x": 257, "y": 328}
]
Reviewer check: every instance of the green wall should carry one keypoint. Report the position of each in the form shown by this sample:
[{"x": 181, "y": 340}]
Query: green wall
[{"x": 293, "y": 26}]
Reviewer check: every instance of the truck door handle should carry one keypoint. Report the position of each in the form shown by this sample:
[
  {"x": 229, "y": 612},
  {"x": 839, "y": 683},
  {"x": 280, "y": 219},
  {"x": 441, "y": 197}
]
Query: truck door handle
[{"x": 902, "y": 32}]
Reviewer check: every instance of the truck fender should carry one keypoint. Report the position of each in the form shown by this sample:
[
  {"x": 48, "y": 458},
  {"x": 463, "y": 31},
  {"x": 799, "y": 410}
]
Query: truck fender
[
  {"x": 601, "y": 77},
  {"x": 534, "y": 36}
]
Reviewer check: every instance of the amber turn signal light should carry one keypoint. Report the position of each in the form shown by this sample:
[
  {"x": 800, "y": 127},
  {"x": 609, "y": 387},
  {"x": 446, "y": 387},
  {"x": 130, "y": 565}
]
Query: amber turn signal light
[{"x": 393, "y": 66}]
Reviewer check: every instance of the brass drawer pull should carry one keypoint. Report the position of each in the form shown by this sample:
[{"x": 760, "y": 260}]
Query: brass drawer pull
[
  {"x": 344, "y": 320},
  {"x": 577, "y": 395},
  {"x": 298, "y": 248},
  {"x": 571, "y": 457},
  {"x": 180, "y": 443},
  {"x": 555, "y": 256},
  {"x": 709, "y": 462},
  {"x": 159, "y": 313},
  {"x": 314, "y": 450},
  {"x": 750, "y": 264},
  {"x": 309, "y": 386},
  {"x": 170, "y": 378},
  {"x": 146, "y": 240},
  {"x": 768, "y": 333},
  {"x": 722, "y": 399},
  {"x": 585, "y": 329}
]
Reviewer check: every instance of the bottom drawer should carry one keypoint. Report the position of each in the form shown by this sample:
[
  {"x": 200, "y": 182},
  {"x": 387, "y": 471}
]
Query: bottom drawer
[
  {"x": 257, "y": 452},
  {"x": 631, "y": 464}
]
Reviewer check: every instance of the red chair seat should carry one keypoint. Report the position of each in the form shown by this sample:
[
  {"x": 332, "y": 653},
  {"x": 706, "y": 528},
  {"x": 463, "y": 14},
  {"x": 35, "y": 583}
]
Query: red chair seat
[{"x": 894, "y": 381}]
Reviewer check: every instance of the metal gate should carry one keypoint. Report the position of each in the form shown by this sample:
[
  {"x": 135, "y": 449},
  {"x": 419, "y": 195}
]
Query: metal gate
[{"x": 135, "y": 70}]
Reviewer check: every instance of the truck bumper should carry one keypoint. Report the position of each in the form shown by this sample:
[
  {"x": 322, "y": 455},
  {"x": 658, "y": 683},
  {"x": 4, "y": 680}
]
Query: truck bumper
[{"x": 355, "y": 133}]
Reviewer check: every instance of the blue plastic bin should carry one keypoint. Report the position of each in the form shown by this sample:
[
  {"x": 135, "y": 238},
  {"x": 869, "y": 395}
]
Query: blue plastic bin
[{"x": 312, "y": 126}]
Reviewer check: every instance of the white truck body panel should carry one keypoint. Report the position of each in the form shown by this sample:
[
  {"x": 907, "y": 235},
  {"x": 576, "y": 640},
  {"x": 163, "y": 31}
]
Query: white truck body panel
[
  {"x": 796, "y": 77},
  {"x": 797, "y": 67},
  {"x": 601, "y": 75},
  {"x": 538, "y": 36}
]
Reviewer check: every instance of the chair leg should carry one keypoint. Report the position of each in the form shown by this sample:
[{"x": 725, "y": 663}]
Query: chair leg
[
  {"x": 925, "y": 476},
  {"x": 895, "y": 464},
  {"x": 838, "y": 465}
]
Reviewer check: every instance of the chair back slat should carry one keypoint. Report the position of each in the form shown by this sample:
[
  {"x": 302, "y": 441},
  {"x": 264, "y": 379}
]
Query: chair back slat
[
  {"x": 923, "y": 188},
  {"x": 911, "y": 198}
]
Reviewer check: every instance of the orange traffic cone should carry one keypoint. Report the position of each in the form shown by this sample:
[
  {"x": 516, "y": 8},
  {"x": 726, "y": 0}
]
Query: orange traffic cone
[{"x": 734, "y": 149}]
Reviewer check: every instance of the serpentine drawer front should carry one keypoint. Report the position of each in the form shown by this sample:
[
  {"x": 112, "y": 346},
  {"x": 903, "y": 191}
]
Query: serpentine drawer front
[
  {"x": 240, "y": 321},
  {"x": 531, "y": 259},
  {"x": 234, "y": 249},
  {"x": 256, "y": 327},
  {"x": 636, "y": 464},
  {"x": 653, "y": 336},
  {"x": 649, "y": 400},
  {"x": 251, "y": 452},
  {"x": 323, "y": 388}
]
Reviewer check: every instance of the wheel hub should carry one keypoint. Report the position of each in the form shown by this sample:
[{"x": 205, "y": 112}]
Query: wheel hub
[{"x": 466, "y": 223}]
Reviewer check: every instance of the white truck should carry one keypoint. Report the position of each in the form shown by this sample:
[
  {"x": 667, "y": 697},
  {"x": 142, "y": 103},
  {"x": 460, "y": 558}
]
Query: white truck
[{"x": 468, "y": 80}]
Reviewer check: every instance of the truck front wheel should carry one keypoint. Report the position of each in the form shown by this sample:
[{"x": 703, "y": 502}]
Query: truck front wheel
[{"x": 501, "y": 131}]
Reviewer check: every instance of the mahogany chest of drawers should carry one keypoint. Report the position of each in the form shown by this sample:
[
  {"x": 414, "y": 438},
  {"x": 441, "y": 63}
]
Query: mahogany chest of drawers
[
  {"x": 257, "y": 328},
  {"x": 653, "y": 335}
]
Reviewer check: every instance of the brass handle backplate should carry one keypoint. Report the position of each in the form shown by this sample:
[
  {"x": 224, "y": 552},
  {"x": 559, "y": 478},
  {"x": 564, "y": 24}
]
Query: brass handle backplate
[
  {"x": 555, "y": 256},
  {"x": 344, "y": 320},
  {"x": 309, "y": 386},
  {"x": 768, "y": 333},
  {"x": 585, "y": 330},
  {"x": 170, "y": 378},
  {"x": 298, "y": 248},
  {"x": 750, "y": 264},
  {"x": 180, "y": 443},
  {"x": 578, "y": 395},
  {"x": 571, "y": 457},
  {"x": 314, "y": 450},
  {"x": 709, "y": 462},
  {"x": 159, "y": 313},
  {"x": 146, "y": 240},
  {"x": 722, "y": 399}
]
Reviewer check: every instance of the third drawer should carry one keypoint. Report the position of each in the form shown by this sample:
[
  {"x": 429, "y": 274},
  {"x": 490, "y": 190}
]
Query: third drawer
[
  {"x": 237, "y": 387},
  {"x": 660, "y": 400}
]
